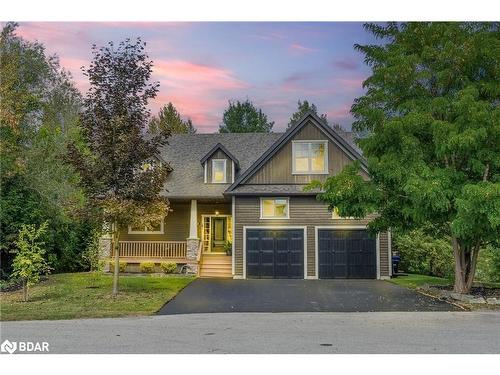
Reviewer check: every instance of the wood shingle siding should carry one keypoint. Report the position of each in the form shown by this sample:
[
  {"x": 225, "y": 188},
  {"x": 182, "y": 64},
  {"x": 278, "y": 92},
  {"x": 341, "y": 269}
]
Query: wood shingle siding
[
  {"x": 304, "y": 211},
  {"x": 278, "y": 170}
]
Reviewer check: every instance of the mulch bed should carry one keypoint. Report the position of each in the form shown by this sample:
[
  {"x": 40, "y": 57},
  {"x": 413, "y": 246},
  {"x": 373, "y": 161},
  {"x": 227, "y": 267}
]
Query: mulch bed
[{"x": 478, "y": 291}]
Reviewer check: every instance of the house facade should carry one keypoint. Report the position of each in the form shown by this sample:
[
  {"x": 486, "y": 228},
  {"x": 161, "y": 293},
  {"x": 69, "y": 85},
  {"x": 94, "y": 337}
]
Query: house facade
[{"x": 238, "y": 209}]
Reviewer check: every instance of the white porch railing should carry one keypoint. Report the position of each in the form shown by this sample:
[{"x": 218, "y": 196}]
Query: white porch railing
[{"x": 153, "y": 249}]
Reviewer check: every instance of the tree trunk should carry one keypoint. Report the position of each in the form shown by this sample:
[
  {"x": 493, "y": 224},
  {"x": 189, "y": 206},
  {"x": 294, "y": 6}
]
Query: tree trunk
[
  {"x": 25, "y": 290},
  {"x": 465, "y": 265},
  {"x": 116, "y": 244}
]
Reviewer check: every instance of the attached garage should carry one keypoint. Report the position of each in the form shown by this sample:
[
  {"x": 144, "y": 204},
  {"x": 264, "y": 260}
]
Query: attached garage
[
  {"x": 346, "y": 253},
  {"x": 274, "y": 253}
]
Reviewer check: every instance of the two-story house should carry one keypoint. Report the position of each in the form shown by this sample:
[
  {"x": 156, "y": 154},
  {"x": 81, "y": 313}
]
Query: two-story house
[{"x": 244, "y": 192}]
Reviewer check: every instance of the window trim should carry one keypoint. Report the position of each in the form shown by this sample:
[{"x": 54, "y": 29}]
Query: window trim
[
  {"x": 262, "y": 217},
  {"x": 225, "y": 172},
  {"x": 161, "y": 231},
  {"x": 325, "y": 142}
]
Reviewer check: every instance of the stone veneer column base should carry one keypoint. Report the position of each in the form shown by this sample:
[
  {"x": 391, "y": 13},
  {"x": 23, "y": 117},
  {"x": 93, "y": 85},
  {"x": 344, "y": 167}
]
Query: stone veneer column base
[{"x": 191, "y": 254}]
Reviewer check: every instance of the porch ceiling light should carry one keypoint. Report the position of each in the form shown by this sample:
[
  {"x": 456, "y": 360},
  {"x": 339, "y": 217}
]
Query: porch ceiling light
[{"x": 216, "y": 213}]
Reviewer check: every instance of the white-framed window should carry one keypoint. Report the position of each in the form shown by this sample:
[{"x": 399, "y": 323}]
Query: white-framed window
[
  {"x": 219, "y": 171},
  {"x": 274, "y": 208},
  {"x": 155, "y": 228},
  {"x": 335, "y": 215},
  {"x": 309, "y": 157}
]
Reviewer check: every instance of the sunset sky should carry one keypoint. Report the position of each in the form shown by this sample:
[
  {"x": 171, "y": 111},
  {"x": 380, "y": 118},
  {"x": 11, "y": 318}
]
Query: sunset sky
[{"x": 200, "y": 66}]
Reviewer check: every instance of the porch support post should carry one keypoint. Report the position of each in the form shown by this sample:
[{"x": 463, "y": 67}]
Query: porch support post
[
  {"x": 192, "y": 241},
  {"x": 193, "y": 222}
]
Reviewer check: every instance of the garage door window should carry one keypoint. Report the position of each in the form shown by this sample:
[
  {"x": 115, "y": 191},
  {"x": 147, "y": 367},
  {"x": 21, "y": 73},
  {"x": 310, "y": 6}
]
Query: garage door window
[{"x": 274, "y": 208}]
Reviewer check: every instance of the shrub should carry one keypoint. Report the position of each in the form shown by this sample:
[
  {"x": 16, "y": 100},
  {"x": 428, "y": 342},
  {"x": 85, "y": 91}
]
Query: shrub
[
  {"x": 424, "y": 254},
  {"x": 147, "y": 267},
  {"x": 488, "y": 264},
  {"x": 168, "y": 267},
  {"x": 122, "y": 266}
]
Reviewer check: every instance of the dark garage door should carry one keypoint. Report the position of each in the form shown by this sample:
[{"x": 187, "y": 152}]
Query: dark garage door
[
  {"x": 347, "y": 254},
  {"x": 275, "y": 253}
]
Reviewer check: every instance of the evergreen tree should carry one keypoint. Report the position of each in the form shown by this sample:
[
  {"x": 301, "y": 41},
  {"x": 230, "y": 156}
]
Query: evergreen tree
[
  {"x": 243, "y": 117},
  {"x": 169, "y": 121},
  {"x": 302, "y": 108}
]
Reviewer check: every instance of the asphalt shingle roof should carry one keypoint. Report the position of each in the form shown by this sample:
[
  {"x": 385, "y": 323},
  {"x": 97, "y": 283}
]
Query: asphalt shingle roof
[{"x": 184, "y": 152}]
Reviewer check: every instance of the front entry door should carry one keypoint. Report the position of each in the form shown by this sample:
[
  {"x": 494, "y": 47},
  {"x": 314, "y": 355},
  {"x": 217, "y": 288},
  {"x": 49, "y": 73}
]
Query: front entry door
[{"x": 219, "y": 230}]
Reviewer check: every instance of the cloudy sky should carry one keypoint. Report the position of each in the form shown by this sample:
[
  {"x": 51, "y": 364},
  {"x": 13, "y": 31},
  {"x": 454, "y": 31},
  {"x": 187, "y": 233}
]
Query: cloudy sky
[{"x": 200, "y": 66}]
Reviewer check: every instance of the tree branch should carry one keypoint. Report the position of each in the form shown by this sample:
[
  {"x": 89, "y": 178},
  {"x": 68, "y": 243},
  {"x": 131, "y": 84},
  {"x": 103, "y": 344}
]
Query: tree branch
[{"x": 486, "y": 172}]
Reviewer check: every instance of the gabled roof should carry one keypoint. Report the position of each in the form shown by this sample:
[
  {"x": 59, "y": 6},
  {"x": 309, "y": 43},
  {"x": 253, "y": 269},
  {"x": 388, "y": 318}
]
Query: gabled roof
[
  {"x": 184, "y": 152},
  {"x": 221, "y": 147},
  {"x": 332, "y": 134}
]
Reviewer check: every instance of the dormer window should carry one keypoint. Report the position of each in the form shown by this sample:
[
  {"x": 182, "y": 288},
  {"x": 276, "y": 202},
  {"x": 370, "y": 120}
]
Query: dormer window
[
  {"x": 310, "y": 157},
  {"x": 219, "y": 171}
]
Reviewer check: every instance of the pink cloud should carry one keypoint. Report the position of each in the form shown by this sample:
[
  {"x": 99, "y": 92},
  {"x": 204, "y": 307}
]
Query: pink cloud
[
  {"x": 345, "y": 63},
  {"x": 299, "y": 48},
  {"x": 339, "y": 113},
  {"x": 349, "y": 84},
  {"x": 178, "y": 73},
  {"x": 198, "y": 91}
]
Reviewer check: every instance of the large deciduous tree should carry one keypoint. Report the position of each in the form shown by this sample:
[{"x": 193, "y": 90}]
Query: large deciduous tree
[
  {"x": 433, "y": 133},
  {"x": 119, "y": 166},
  {"x": 244, "y": 117},
  {"x": 304, "y": 107},
  {"x": 39, "y": 108},
  {"x": 169, "y": 120}
]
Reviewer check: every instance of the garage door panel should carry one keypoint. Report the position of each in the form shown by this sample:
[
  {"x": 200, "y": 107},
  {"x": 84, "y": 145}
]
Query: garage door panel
[
  {"x": 346, "y": 254},
  {"x": 280, "y": 253}
]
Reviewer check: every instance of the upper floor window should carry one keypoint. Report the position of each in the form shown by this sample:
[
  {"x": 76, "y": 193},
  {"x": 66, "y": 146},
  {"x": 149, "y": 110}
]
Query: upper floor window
[
  {"x": 154, "y": 228},
  {"x": 310, "y": 157},
  {"x": 219, "y": 171},
  {"x": 274, "y": 208}
]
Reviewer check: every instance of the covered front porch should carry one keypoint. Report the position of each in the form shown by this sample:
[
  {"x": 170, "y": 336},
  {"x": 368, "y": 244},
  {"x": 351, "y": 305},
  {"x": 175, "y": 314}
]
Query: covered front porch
[{"x": 195, "y": 233}]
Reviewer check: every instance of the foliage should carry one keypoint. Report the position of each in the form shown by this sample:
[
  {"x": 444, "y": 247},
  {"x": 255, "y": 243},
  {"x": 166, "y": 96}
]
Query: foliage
[
  {"x": 170, "y": 122},
  {"x": 67, "y": 296},
  {"x": 122, "y": 266},
  {"x": 119, "y": 166},
  {"x": 304, "y": 107},
  {"x": 168, "y": 267},
  {"x": 29, "y": 262},
  {"x": 228, "y": 247},
  {"x": 431, "y": 119},
  {"x": 38, "y": 117},
  {"x": 423, "y": 254},
  {"x": 488, "y": 265},
  {"x": 147, "y": 267},
  {"x": 244, "y": 117},
  {"x": 92, "y": 252}
]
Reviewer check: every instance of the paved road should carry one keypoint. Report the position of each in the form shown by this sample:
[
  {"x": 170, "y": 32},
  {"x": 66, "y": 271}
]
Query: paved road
[
  {"x": 223, "y": 295},
  {"x": 375, "y": 332}
]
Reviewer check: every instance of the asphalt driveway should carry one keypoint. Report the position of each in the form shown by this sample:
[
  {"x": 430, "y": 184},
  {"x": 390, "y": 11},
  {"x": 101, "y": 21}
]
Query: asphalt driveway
[{"x": 226, "y": 295}]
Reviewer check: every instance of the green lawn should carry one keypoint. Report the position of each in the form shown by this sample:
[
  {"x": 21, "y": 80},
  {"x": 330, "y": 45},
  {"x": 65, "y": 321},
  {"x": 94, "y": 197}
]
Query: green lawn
[
  {"x": 414, "y": 281},
  {"x": 75, "y": 295}
]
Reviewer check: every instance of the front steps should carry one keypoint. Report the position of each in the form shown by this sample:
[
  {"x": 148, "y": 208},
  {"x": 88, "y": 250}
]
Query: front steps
[{"x": 215, "y": 265}]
